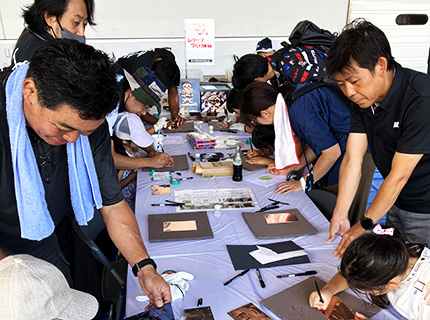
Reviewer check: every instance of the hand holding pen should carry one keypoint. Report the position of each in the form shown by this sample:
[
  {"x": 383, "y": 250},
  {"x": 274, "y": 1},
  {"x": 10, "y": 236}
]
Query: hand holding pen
[{"x": 319, "y": 299}]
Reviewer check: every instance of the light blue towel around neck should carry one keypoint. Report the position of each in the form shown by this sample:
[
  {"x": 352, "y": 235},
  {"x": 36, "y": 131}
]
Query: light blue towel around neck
[{"x": 34, "y": 218}]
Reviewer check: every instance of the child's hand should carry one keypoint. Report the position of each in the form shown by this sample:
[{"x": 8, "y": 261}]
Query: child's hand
[
  {"x": 272, "y": 169},
  {"x": 360, "y": 316},
  {"x": 251, "y": 153},
  {"x": 314, "y": 300},
  {"x": 289, "y": 186},
  {"x": 160, "y": 160},
  {"x": 260, "y": 160}
]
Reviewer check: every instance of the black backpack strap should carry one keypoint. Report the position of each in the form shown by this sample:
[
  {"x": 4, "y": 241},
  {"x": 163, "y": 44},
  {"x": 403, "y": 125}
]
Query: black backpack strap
[
  {"x": 314, "y": 85},
  {"x": 299, "y": 92}
]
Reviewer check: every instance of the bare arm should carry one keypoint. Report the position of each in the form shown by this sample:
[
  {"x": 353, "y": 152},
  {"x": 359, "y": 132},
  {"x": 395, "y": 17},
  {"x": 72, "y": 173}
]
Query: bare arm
[
  {"x": 159, "y": 160},
  {"x": 310, "y": 156},
  {"x": 149, "y": 118},
  {"x": 349, "y": 178},
  {"x": 173, "y": 98},
  {"x": 335, "y": 285},
  {"x": 325, "y": 161},
  {"x": 402, "y": 167},
  {"x": 124, "y": 232},
  {"x": 124, "y": 182}
]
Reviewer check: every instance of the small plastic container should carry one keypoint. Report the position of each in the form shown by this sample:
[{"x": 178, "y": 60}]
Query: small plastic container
[{"x": 217, "y": 210}]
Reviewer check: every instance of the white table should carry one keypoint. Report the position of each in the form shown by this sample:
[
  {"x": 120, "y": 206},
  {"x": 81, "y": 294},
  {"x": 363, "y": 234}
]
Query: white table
[{"x": 208, "y": 260}]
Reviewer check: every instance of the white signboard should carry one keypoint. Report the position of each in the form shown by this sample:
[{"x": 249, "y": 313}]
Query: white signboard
[{"x": 199, "y": 41}]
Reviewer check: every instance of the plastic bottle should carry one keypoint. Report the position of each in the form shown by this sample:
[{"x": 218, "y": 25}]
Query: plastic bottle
[{"x": 237, "y": 165}]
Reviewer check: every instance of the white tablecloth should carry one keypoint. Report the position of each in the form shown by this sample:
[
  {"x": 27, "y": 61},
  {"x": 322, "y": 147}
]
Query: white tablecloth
[{"x": 208, "y": 260}]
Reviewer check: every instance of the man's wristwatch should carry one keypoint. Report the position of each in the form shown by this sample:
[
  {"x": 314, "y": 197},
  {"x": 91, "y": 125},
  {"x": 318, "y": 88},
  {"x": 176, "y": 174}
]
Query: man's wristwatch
[
  {"x": 367, "y": 223},
  {"x": 136, "y": 268}
]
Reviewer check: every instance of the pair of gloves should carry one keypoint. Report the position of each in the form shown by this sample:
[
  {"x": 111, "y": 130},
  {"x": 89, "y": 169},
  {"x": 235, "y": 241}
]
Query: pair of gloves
[
  {"x": 177, "y": 283},
  {"x": 161, "y": 124}
]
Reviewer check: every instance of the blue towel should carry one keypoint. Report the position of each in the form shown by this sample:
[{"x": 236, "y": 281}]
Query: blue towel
[{"x": 34, "y": 218}]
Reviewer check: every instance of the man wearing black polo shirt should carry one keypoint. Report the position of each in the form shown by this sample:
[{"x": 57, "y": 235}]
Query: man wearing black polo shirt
[
  {"x": 55, "y": 159},
  {"x": 390, "y": 113}
]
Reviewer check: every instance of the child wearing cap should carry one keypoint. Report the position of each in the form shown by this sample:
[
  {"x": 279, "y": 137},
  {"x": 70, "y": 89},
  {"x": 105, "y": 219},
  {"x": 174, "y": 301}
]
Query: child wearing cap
[
  {"x": 265, "y": 47},
  {"x": 129, "y": 136},
  {"x": 140, "y": 90}
]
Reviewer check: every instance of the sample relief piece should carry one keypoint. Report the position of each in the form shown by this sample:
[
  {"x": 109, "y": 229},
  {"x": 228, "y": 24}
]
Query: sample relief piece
[
  {"x": 158, "y": 189},
  {"x": 278, "y": 224},
  {"x": 199, "y": 313},
  {"x": 206, "y": 199},
  {"x": 179, "y": 226},
  {"x": 249, "y": 312}
]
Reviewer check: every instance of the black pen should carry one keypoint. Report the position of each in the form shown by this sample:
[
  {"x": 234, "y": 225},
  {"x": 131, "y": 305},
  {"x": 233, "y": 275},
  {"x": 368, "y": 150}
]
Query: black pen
[
  {"x": 250, "y": 144},
  {"x": 319, "y": 292},
  {"x": 236, "y": 277},
  {"x": 186, "y": 178},
  {"x": 260, "y": 278},
  {"x": 167, "y": 204},
  {"x": 267, "y": 208},
  {"x": 191, "y": 157},
  {"x": 307, "y": 273}
]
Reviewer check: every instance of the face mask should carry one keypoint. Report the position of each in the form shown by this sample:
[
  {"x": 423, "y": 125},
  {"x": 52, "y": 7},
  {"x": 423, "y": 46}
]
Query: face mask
[{"x": 66, "y": 34}]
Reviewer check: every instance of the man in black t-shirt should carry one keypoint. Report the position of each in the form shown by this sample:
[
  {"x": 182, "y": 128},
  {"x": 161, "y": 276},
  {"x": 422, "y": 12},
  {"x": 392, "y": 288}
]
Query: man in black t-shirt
[
  {"x": 46, "y": 20},
  {"x": 390, "y": 114},
  {"x": 65, "y": 95},
  {"x": 162, "y": 63}
]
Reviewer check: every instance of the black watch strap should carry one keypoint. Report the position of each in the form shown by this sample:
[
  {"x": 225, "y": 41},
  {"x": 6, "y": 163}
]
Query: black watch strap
[
  {"x": 367, "y": 223},
  {"x": 136, "y": 268}
]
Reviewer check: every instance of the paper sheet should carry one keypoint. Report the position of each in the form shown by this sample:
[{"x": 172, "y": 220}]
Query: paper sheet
[
  {"x": 265, "y": 255},
  {"x": 173, "y": 140}
]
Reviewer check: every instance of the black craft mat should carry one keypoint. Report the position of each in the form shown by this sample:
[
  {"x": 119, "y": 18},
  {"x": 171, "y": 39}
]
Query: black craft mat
[{"x": 241, "y": 259}]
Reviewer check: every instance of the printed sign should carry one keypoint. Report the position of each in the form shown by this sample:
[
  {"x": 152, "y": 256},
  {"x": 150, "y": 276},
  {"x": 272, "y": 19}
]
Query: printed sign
[
  {"x": 189, "y": 94},
  {"x": 199, "y": 41}
]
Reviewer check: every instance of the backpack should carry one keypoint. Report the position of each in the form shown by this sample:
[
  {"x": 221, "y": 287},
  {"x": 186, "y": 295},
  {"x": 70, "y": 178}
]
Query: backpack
[
  {"x": 308, "y": 33},
  {"x": 303, "y": 60}
]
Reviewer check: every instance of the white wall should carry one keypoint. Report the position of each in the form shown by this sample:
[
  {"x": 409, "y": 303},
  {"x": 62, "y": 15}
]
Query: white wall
[
  {"x": 131, "y": 25},
  {"x": 409, "y": 44}
]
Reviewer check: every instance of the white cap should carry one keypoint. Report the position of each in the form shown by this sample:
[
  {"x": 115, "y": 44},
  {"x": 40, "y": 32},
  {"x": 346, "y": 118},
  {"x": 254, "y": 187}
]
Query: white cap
[
  {"x": 31, "y": 288},
  {"x": 128, "y": 126}
]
